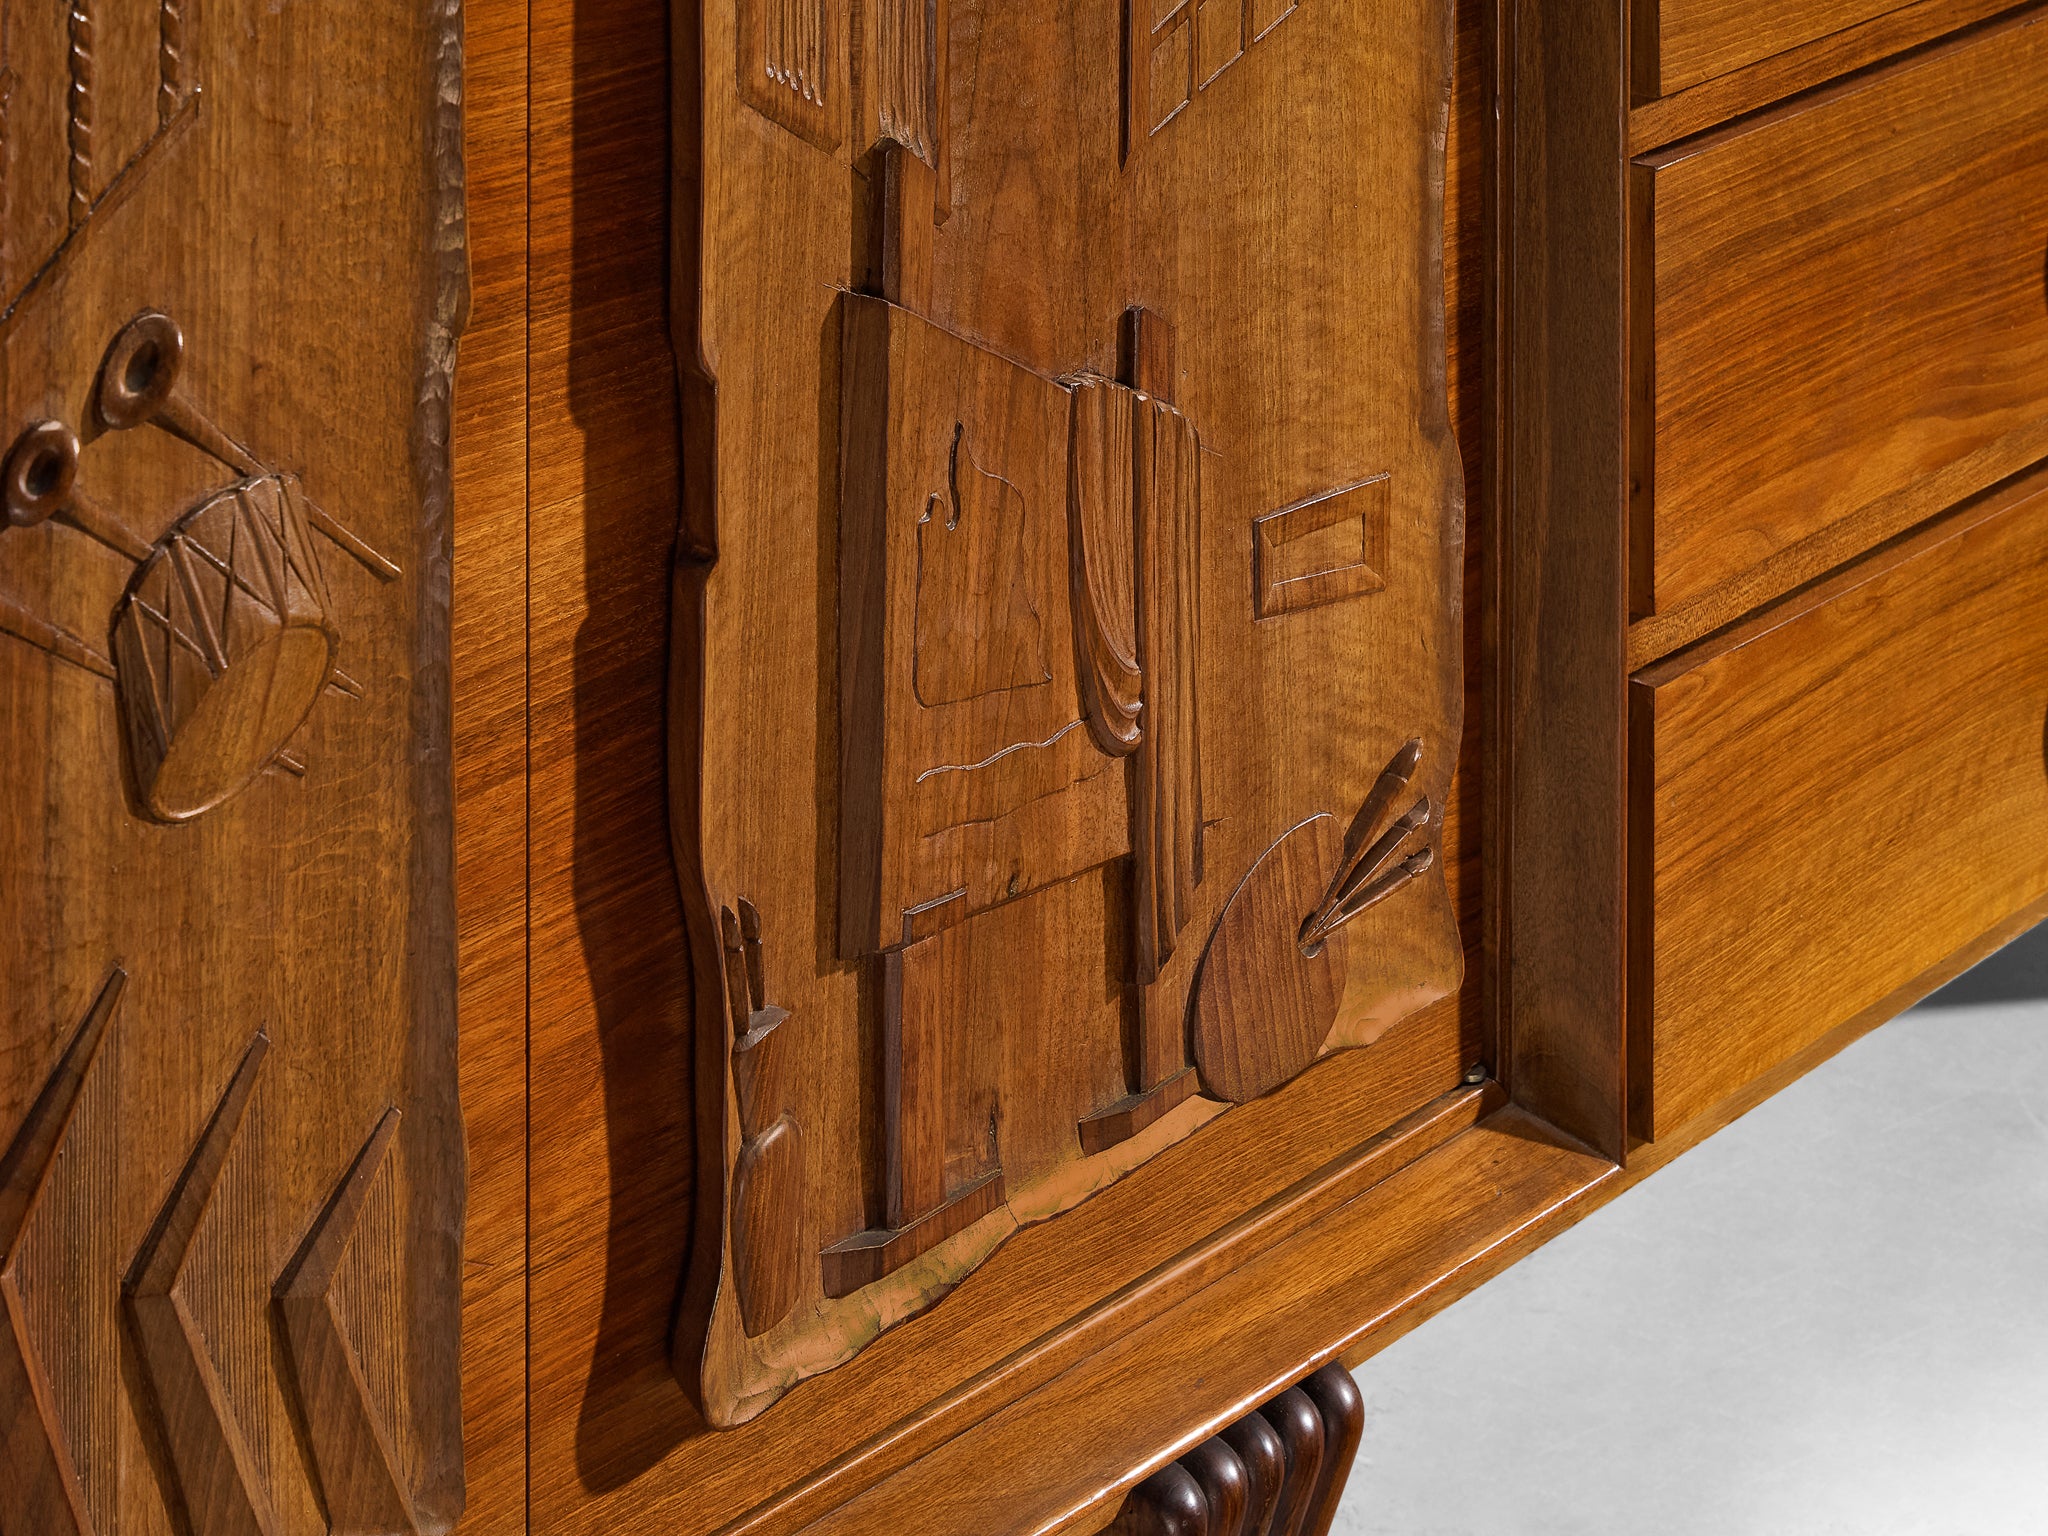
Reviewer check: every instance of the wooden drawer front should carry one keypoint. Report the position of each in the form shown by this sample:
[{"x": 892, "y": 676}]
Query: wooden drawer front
[
  {"x": 1683, "y": 42},
  {"x": 1833, "y": 801},
  {"x": 1850, "y": 317}
]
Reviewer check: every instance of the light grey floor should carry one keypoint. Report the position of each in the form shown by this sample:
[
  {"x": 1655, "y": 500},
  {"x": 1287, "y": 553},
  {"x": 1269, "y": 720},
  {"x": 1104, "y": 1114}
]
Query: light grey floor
[{"x": 1829, "y": 1320}]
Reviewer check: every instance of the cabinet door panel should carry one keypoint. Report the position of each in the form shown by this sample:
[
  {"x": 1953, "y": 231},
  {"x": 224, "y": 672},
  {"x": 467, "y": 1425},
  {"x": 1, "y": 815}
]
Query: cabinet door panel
[{"x": 231, "y": 1158}]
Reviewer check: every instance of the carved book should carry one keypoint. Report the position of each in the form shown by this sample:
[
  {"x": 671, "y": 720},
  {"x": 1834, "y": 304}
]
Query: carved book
[
  {"x": 1067, "y": 676},
  {"x": 231, "y": 1156}
]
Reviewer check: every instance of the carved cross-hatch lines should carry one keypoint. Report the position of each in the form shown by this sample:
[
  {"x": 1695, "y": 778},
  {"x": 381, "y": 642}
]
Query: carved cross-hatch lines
[
  {"x": 217, "y": 1476},
  {"x": 225, "y": 639},
  {"x": 1181, "y": 47},
  {"x": 40, "y": 1493},
  {"x": 353, "y": 1455}
]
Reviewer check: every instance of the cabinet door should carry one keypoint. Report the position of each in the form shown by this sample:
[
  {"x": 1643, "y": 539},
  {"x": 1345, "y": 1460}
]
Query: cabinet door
[
  {"x": 1067, "y": 670},
  {"x": 231, "y": 1182}
]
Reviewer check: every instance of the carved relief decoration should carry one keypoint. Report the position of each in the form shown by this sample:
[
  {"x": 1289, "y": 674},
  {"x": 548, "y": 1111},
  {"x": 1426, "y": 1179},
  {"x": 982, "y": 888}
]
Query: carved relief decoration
[
  {"x": 232, "y": 1182},
  {"x": 1075, "y": 524}
]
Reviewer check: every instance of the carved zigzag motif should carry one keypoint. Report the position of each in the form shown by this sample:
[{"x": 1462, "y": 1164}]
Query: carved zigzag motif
[
  {"x": 41, "y": 1495},
  {"x": 357, "y": 1465},
  {"x": 217, "y": 1476}
]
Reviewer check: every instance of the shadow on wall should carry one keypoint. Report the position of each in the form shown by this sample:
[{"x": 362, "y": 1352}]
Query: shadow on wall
[{"x": 2017, "y": 973}]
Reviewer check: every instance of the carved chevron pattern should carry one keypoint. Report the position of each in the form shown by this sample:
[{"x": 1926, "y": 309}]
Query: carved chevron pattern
[
  {"x": 40, "y": 1495},
  {"x": 352, "y": 1453},
  {"x": 223, "y": 1492}
]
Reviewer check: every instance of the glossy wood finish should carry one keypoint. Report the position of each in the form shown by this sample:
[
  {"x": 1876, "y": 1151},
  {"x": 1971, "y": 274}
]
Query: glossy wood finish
[
  {"x": 1444, "y": 1223},
  {"x": 43, "y": 1490},
  {"x": 488, "y": 640},
  {"x": 611, "y": 1175},
  {"x": 1681, "y": 43},
  {"x": 1873, "y": 256},
  {"x": 1841, "y": 712},
  {"x": 231, "y": 285},
  {"x": 1893, "y": 30},
  {"x": 1560, "y": 743},
  {"x": 1298, "y": 1453},
  {"x": 879, "y": 575}
]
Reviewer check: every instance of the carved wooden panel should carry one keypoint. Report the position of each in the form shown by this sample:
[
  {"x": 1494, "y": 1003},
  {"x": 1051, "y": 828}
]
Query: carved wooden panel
[
  {"x": 1067, "y": 674},
  {"x": 231, "y": 272}
]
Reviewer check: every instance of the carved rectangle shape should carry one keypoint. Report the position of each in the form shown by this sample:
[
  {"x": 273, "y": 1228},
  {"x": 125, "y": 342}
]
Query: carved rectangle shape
[
  {"x": 1847, "y": 316},
  {"x": 1219, "y": 37},
  {"x": 1830, "y": 799},
  {"x": 1323, "y": 550},
  {"x": 1169, "y": 84},
  {"x": 792, "y": 65},
  {"x": 968, "y": 767}
]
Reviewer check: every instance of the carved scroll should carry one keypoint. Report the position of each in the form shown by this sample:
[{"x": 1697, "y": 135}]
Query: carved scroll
[{"x": 1103, "y": 565}]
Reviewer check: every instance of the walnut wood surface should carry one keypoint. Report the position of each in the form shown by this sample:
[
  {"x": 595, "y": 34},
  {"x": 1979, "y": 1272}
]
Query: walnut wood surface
[
  {"x": 1680, "y": 43},
  {"x": 231, "y": 281},
  {"x": 1873, "y": 256},
  {"x": 1842, "y": 712},
  {"x": 987, "y": 922},
  {"x": 1561, "y": 748},
  {"x": 488, "y": 641},
  {"x": 42, "y": 1491},
  {"x": 611, "y": 1175},
  {"x": 1477, "y": 1201},
  {"x": 1894, "y": 29}
]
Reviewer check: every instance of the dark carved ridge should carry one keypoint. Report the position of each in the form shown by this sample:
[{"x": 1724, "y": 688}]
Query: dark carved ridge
[{"x": 1278, "y": 1471}]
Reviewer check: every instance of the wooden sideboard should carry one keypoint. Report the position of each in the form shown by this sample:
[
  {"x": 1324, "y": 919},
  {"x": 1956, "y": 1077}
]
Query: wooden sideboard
[{"x": 1682, "y": 438}]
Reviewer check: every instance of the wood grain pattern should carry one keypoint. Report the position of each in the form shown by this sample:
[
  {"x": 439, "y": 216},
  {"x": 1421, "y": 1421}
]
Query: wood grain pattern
[
  {"x": 362, "y": 1488},
  {"x": 1263, "y": 1005},
  {"x": 1896, "y": 28},
  {"x": 1561, "y": 725},
  {"x": 1477, "y": 1201},
  {"x": 611, "y": 1176},
  {"x": 1839, "y": 710},
  {"x": 768, "y": 1225},
  {"x": 1782, "y": 273},
  {"x": 488, "y": 643},
  {"x": 1298, "y": 1453},
  {"x": 227, "y": 340},
  {"x": 218, "y": 1482},
  {"x": 42, "y": 1491},
  {"x": 1681, "y": 43},
  {"x": 900, "y": 465}
]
